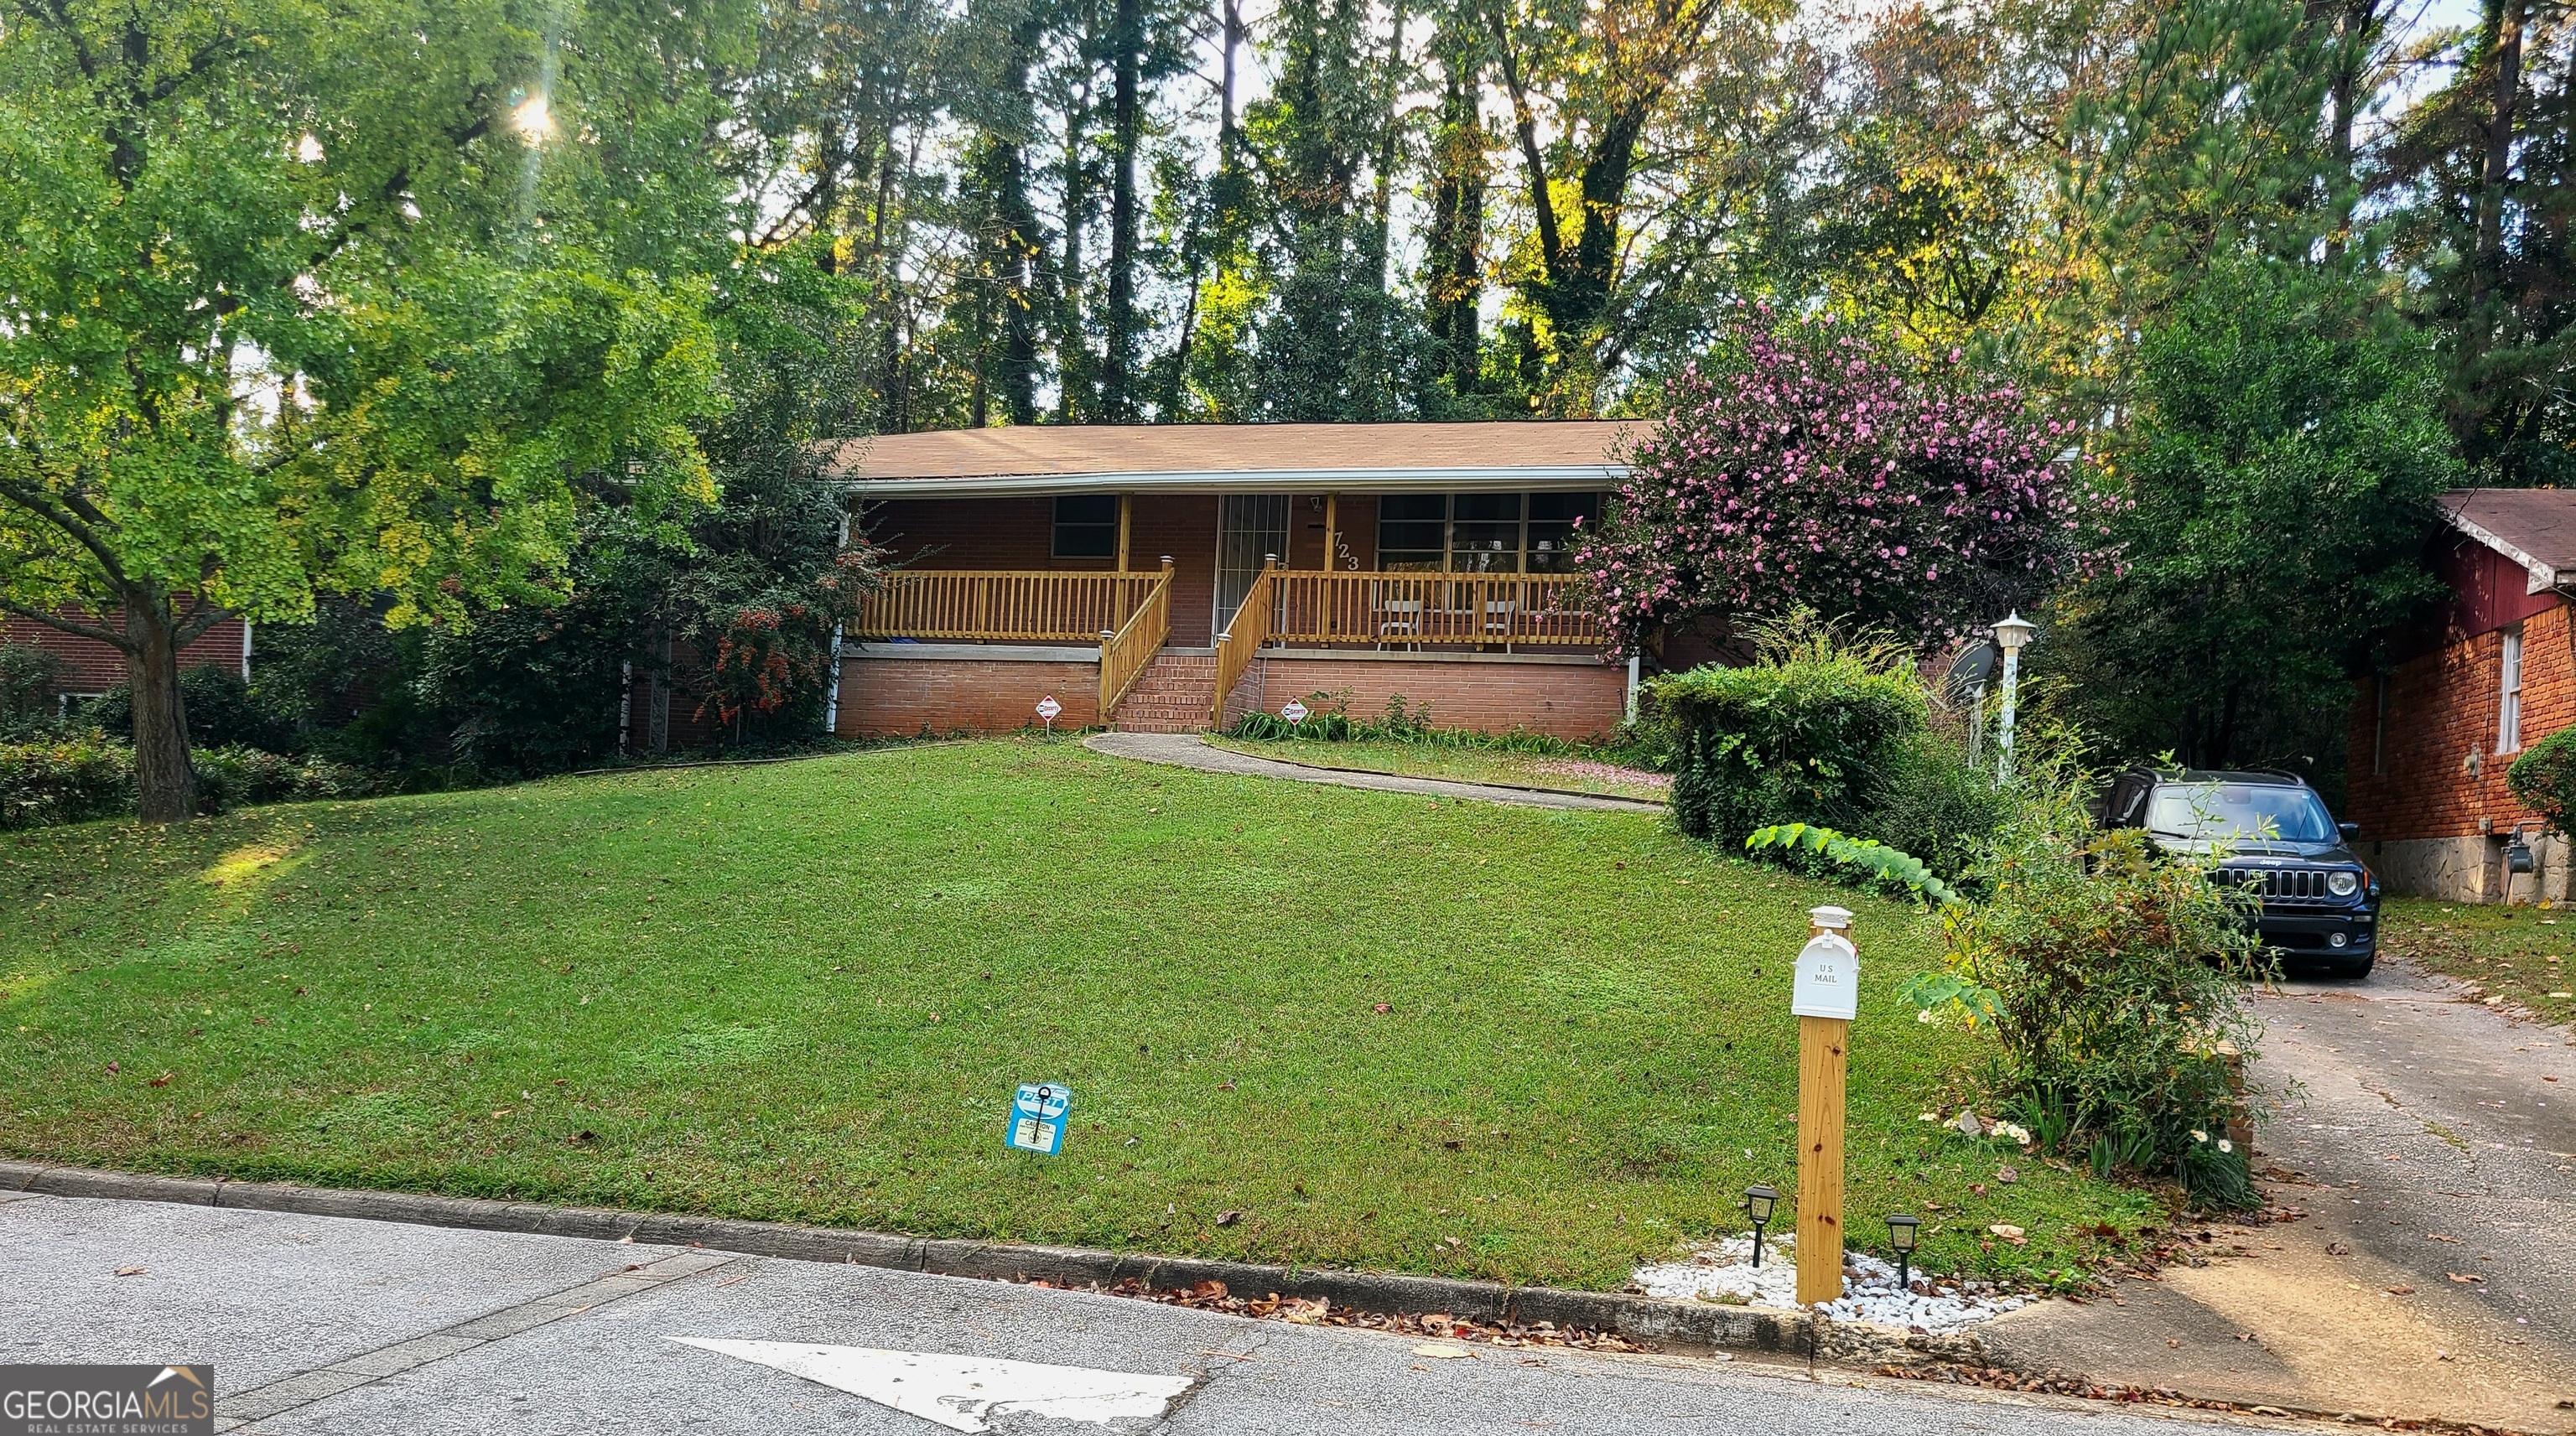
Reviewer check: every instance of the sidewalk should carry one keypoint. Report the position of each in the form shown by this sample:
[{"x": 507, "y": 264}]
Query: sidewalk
[{"x": 1184, "y": 750}]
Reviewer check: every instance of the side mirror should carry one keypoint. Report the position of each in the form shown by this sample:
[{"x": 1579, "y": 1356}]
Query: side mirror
[{"x": 2351, "y": 831}]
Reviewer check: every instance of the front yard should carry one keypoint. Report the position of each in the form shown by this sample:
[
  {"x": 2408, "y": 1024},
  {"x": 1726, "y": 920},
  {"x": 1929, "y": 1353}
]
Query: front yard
[
  {"x": 1573, "y": 772},
  {"x": 1302, "y": 1023},
  {"x": 2525, "y": 955}
]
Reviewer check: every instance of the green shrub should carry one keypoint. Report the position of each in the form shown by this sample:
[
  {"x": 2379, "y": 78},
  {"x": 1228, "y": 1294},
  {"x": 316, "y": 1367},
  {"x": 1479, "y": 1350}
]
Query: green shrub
[
  {"x": 1932, "y": 802},
  {"x": 66, "y": 779},
  {"x": 222, "y": 711},
  {"x": 243, "y": 777},
  {"x": 1822, "y": 852},
  {"x": 29, "y": 679},
  {"x": 1802, "y": 735},
  {"x": 2543, "y": 779},
  {"x": 2109, "y": 974}
]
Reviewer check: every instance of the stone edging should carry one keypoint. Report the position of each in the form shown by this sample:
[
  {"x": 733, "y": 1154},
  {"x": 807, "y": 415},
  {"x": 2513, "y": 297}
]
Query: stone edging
[
  {"x": 1642, "y": 805},
  {"x": 1646, "y": 1320}
]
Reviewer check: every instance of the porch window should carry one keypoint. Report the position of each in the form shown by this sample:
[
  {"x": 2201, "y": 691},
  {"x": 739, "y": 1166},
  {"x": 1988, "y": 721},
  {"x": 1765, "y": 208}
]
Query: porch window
[
  {"x": 2509, "y": 706},
  {"x": 1086, "y": 526},
  {"x": 1480, "y": 533}
]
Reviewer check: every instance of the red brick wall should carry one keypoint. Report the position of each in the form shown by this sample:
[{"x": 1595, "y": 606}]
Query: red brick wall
[
  {"x": 94, "y": 667},
  {"x": 899, "y": 697},
  {"x": 2442, "y": 705},
  {"x": 1565, "y": 700}
]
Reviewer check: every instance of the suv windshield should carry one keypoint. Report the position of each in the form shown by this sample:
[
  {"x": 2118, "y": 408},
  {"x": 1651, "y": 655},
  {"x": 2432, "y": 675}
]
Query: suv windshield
[{"x": 2240, "y": 810}]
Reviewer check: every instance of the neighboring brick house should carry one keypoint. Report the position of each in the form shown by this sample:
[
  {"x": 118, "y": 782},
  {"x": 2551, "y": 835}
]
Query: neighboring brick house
[
  {"x": 91, "y": 667},
  {"x": 1430, "y": 562},
  {"x": 2494, "y": 673}
]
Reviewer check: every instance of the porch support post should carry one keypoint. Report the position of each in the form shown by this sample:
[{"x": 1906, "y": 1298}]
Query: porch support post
[
  {"x": 1125, "y": 502},
  {"x": 1332, "y": 530}
]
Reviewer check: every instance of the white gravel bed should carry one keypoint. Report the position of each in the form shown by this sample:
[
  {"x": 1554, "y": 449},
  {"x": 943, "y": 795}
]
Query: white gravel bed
[{"x": 1725, "y": 1268}]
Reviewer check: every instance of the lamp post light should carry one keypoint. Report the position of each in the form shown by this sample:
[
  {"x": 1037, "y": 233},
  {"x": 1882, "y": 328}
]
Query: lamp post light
[
  {"x": 1901, "y": 1231},
  {"x": 2010, "y": 634},
  {"x": 1758, "y": 1201}
]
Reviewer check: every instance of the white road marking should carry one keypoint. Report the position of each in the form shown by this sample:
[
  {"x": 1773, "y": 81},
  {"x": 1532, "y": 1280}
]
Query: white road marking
[{"x": 958, "y": 1392}]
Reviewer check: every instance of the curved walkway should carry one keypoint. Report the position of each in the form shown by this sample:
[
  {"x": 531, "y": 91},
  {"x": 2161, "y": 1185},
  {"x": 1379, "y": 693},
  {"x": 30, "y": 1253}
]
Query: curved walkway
[{"x": 1184, "y": 750}]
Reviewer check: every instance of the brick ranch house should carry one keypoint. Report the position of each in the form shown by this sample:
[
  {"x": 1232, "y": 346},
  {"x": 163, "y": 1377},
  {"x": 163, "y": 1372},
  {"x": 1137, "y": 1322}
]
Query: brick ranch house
[
  {"x": 2492, "y": 674},
  {"x": 1171, "y": 578},
  {"x": 90, "y": 667}
]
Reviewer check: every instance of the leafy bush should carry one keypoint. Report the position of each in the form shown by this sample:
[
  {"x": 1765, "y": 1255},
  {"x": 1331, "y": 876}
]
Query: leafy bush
[
  {"x": 1803, "y": 734},
  {"x": 1874, "y": 865},
  {"x": 67, "y": 779},
  {"x": 1932, "y": 802},
  {"x": 87, "y": 774},
  {"x": 222, "y": 711},
  {"x": 2109, "y": 974},
  {"x": 2543, "y": 779},
  {"x": 1328, "y": 720},
  {"x": 29, "y": 678}
]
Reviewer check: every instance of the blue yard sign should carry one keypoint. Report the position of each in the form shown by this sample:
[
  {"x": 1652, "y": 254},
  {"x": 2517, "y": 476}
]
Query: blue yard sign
[{"x": 1038, "y": 1117}]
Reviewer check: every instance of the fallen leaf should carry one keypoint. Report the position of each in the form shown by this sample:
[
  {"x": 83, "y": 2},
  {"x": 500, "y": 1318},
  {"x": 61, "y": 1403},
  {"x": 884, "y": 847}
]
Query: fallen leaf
[
  {"x": 2463, "y": 1277},
  {"x": 161, "y": 1081},
  {"x": 2007, "y": 1175},
  {"x": 129, "y": 1271},
  {"x": 2007, "y": 1231},
  {"x": 1385, "y": 1007},
  {"x": 2438, "y": 1237},
  {"x": 2401, "y": 1291},
  {"x": 1227, "y": 1219},
  {"x": 111, "y": 1067},
  {"x": 1443, "y": 1353}
]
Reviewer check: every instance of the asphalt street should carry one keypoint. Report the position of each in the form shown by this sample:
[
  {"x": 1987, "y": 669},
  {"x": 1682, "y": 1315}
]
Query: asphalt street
[{"x": 329, "y": 1325}]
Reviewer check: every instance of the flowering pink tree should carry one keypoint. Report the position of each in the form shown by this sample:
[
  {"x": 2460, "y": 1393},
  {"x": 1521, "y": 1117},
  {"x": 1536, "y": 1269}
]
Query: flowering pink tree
[{"x": 1816, "y": 466}]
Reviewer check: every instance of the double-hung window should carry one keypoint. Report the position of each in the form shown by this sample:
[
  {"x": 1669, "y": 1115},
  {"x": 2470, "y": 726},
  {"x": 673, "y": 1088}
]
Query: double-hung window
[{"x": 2509, "y": 700}]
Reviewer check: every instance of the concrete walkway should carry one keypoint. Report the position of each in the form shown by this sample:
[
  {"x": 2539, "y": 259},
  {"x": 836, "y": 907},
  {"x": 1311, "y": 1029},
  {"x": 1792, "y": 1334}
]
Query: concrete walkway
[
  {"x": 1184, "y": 750},
  {"x": 2431, "y": 1141}
]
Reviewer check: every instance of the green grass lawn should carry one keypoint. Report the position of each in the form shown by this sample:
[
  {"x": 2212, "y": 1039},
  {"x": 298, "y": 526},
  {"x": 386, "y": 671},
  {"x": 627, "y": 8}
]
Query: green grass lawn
[
  {"x": 2525, "y": 954},
  {"x": 804, "y": 991},
  {"x": 1473, "y": 765}
]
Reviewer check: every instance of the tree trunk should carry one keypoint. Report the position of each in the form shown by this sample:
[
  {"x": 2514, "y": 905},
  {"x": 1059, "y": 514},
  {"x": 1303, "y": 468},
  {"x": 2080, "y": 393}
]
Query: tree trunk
[
  {"x": 165, "y": 783},
  {"x": 2498, "y": 161},
  {"x": 1117, "y": 363}
]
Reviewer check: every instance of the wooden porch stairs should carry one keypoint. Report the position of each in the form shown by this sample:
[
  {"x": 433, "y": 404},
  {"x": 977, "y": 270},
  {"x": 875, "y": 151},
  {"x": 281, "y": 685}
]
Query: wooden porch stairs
[{"x": 1172, "y": 695}]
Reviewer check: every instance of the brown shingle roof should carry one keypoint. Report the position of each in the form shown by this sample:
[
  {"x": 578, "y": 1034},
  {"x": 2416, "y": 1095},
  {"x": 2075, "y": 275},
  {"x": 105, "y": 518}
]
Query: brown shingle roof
[
  {"x": 2534, "y": 527},
  {"x": 1562, "y": 453}
]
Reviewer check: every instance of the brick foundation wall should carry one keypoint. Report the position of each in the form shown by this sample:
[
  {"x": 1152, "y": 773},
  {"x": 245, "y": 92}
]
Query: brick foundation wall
[
  {"x": 93, "y": 667},
  {"x": 899, "y": 697},
  {"x": 1584, "y": 699}
]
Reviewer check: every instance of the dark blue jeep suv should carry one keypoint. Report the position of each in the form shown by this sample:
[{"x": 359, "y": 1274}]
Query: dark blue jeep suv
[{"x": 2271, "y": 833}]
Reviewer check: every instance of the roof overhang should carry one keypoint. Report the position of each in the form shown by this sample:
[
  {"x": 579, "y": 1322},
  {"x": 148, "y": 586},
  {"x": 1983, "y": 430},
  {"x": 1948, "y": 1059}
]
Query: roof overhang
[
  {"x": 1573, "y": 478},
  {"x": 2539, "y": 576}
]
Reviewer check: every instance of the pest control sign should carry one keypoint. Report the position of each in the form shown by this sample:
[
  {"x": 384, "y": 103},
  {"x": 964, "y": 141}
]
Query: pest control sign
[
  {"x": 1828, "y": 979},
  {"x": 1038, "y": 1117},
  {"x": 1293, "y": 711},
  {"x": 1048, "y": 708}
]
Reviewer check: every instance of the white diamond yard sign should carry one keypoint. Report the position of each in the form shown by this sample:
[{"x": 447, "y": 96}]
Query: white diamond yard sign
[
  {"x": 962, "y": 1392},
  {"x": 1828, "y": 983},
  {"x": 1048, "y": 708},
  {"x": 1293, "y": 711}
]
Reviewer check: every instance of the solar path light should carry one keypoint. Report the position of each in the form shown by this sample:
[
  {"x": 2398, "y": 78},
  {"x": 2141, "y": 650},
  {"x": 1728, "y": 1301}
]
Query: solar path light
[
  {"x": 1758, "y": 1201},
  {"x": 1901, "y": 1230}
]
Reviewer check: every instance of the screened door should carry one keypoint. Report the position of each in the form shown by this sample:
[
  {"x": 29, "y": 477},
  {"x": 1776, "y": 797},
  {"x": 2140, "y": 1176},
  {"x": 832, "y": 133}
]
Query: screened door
[{"x": 1249, "y": 527}]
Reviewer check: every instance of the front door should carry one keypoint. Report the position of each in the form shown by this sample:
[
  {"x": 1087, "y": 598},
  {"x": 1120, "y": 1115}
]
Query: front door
[{"x": 1249, "y": 529}]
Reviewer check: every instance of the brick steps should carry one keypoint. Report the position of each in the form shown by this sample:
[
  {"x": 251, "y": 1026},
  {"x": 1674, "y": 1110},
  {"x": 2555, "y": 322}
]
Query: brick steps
[{"x": 1173, "y": 695}]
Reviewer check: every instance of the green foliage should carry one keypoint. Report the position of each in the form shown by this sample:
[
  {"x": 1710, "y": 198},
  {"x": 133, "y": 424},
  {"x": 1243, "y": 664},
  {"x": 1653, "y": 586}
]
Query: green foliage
[
  {"x": 222, "y": 710},
  {"x": 30, "y": 677},
  {"x": 1328, "y": 720},
  {"x": 1932, "y": 802},
  {"x": 69, "y": 778},
  {"x": 2543, "y": 779},
  {"x": 1800, "y": 735},
  {"x": 2109, "y": 974},
  {"x": 81, "y": 774},
  {"x": 2280, "y": 480},
  {"x": 1862, "y": 861}
]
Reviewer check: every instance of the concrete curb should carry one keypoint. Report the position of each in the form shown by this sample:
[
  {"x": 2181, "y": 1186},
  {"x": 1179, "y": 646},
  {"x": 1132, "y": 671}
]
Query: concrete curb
[{"x": 1649, "y": 1320}]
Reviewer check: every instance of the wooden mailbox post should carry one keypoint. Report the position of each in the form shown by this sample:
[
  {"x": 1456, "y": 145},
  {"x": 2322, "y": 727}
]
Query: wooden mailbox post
[{"x": 1825, "y": 999}]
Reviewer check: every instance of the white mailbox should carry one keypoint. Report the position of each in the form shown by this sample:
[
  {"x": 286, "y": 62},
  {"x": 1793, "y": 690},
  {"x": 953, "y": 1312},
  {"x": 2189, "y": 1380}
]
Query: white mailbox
[{"x": 1828, "y": 982}]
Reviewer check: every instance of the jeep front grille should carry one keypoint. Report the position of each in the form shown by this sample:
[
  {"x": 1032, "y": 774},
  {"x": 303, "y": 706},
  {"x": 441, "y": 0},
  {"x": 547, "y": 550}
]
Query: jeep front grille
[{"x": 2288, "y": 884}]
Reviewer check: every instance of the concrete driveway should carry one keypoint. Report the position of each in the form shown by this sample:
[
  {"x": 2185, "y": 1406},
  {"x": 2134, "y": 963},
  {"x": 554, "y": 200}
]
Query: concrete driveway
[{"x": 2432, "y": 1142}]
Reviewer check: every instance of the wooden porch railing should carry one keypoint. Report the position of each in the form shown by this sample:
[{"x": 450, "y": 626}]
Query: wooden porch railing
[
  {"x": 1027, "y": 605},
  {"x": 1243, "y": 638},
  {"x": 1126, "y": 653},
  {"x": 1311, "y": 608}
]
